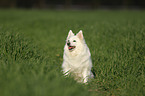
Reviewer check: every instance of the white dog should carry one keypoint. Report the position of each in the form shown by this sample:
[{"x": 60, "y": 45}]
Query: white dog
[{"x": 77, "y": 58}]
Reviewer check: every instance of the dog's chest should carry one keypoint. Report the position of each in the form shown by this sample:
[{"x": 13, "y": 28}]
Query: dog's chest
[{"x": 77, "y": 62}]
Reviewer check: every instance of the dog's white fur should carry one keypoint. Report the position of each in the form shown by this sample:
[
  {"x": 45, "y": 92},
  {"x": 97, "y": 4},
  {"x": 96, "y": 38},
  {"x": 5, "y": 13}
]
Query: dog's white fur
[{"x": 77, "y": 61}]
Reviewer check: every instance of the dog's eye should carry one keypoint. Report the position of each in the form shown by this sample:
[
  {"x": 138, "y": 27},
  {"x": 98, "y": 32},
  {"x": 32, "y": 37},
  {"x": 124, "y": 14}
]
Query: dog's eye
[
  {"x": 68, "y": 40},
  {"x": 74, "y": 41}
]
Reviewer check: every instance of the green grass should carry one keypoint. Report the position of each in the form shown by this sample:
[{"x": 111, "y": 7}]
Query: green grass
[{"x": 31, "y": 50}]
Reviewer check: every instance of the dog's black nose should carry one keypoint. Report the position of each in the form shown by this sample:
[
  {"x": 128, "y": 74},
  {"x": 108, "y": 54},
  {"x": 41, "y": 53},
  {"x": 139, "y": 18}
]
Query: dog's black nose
[{"x": 68, "y": 43}]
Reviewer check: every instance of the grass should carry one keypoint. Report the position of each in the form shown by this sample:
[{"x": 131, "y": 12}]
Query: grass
[{"x": 31, "y": 50}]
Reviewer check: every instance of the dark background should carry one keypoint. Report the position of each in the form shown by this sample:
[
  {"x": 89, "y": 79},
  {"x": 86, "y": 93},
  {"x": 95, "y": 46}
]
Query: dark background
[{"x": 73, "y": 4}]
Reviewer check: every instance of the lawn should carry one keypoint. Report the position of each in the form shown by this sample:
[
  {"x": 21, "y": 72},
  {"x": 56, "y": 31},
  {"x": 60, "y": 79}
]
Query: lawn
[{"x": 31, "y": 52}]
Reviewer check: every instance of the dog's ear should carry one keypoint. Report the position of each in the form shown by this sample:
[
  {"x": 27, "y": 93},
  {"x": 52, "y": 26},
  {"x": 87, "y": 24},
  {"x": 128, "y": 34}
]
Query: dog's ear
[
  {"x": 70, "y": 34},
  {"x": 80, "y": 35}
]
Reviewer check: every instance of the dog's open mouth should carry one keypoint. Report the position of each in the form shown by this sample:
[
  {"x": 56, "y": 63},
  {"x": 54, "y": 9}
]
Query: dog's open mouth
[{"x": 71, "y": 47}]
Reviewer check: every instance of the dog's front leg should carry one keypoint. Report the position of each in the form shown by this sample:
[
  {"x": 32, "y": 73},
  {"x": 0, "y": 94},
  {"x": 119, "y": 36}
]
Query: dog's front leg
[
  {"x": 66, "y": 68},
  {"x": 66, "y": 71},
  {"x": 85, "y": 76}
]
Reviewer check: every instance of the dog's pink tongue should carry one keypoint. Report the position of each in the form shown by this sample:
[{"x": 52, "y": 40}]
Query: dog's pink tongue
[{"x": 70, "y": 47}]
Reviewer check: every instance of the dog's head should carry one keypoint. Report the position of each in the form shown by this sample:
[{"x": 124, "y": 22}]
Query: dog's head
[{"x": 74, "y": 41}]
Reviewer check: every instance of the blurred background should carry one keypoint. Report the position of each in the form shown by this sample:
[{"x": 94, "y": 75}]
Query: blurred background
[{"x": 73, "y": 4}]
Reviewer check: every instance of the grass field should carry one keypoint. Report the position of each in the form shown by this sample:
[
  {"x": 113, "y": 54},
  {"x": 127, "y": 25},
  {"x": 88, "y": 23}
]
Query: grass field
[{"x": 31, "y": 50}]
